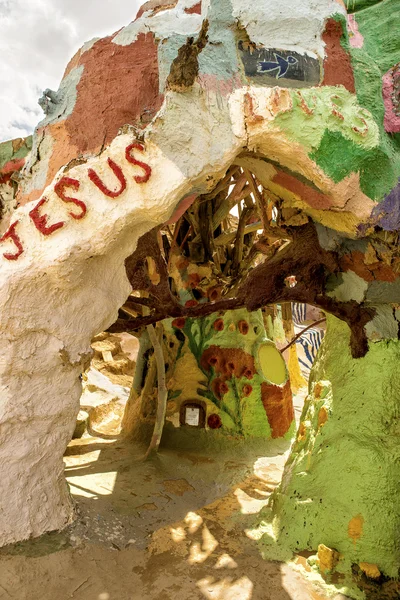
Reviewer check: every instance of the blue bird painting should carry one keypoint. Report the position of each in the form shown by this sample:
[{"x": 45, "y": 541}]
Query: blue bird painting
[{"x": 280, "y": 64}]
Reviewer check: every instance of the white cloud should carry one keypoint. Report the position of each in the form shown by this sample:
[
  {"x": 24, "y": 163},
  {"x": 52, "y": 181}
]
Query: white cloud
[{"x": 37, "y": 39}]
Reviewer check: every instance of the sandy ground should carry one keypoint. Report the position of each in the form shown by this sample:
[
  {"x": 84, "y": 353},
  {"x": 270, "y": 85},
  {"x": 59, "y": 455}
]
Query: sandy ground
[{"x": 173, "y": 528}]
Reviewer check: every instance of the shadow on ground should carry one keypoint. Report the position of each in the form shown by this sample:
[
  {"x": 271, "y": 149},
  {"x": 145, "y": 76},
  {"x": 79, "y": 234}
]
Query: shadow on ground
[{"x": 172, "y": 528}]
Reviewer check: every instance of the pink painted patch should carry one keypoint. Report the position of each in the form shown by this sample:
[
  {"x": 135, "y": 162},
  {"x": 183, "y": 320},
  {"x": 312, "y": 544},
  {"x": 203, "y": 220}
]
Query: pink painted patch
[
  {"x": 355, "y": 37},
  {"x": 391, "y": 99},
  {"x": 223, "y": 87}
]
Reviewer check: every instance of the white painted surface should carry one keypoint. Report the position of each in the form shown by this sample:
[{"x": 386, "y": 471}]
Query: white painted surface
[
  {"x": 287, "y": 24},
  {"x": 67, "y": 287},
  {"x": 192, "y": 416},
  {"x": 163, "y": 24}
]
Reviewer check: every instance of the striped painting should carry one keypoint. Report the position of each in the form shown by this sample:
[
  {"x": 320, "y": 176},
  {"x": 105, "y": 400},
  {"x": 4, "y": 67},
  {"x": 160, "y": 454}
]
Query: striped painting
[{"x": 308, "y": 344}]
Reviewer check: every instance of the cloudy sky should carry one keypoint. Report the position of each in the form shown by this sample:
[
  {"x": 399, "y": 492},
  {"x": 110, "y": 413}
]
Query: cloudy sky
[{"x": 37, "y": 39}]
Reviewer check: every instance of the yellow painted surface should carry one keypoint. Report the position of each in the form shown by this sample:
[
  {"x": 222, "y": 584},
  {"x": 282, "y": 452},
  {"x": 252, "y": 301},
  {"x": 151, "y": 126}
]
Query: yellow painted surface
[
  {"x": 371, "y": 570},
  {"x": 272, "y": 364},
  {"x": 328, "y": 558},
  {"x": 297, "y": 380},
  {"x": 187, "y": 378},
  {"x": 302, "y": 432}
]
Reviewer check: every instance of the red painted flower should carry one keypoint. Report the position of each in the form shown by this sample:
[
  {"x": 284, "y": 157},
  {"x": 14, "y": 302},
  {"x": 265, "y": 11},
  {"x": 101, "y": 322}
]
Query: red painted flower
[
  {"x": 219, "y": 387},
  {"x": 214, "y": 421},
  {"x": 191, "y": 303},
  {"x": 243, "y": 327},
  {"x": 219, "y": 325},
  {"x": 214, "y": 294},
  {"x": 213, "y": 361},
  {"x": 223, "y": 388},
  {"x": 247, "y": 389},
  {"x": 179, "y": 323},
  {"x": 248, "y": 373}
]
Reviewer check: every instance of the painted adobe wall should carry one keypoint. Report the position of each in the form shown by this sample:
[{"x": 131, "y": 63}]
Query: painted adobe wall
[
  {"x": 241, "y": 377},
  {"x": 62, "y": 275},
  {"x": 224, "y": 363},
  {"x": 341, "y": 479}
]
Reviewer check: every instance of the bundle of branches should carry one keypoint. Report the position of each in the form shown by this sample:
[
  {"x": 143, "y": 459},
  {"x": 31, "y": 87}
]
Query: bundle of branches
[{"x": 256, "y": 250}]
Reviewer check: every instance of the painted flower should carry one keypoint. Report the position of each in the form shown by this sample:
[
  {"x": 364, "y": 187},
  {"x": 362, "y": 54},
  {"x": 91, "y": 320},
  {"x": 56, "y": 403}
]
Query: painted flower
[
  {"x": 219, "y": 325},
  {"x": 247, "y": 389},
  {"x": 191, "y": 303},
  {"x": 223, "y": 388},
  {"x": 213, "y": 361},
  {"x": 214, "y": 421},
  {"x": 243, "y": 327},
  {"x": 248, "y": 373},
  {"x": 179, "y": 323},
  {"x": 219, "y": 388}
]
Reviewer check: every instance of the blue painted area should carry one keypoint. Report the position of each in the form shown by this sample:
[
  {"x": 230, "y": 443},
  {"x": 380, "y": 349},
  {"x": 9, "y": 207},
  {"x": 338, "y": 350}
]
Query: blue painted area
[
  {"x": 281, "y": 65},
  {"x": 219, "y": 57},
  {"x": 387, "y": 213},
  {"x": 267, "y": 65},
  {"x": 62, "y": 103},
  {"x": 167, "y": 52}
]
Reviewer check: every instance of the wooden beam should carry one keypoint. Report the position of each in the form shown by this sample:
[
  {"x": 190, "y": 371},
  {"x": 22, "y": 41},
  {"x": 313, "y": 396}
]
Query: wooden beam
[{"x": 226, "y": 238}]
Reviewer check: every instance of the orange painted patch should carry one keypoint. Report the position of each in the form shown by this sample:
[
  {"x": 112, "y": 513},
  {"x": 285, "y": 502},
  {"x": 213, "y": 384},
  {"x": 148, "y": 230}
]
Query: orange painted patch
[
  {"x": 278, "y": 404},
  {"x": 375, "y": 271},
  {"x": 63, "y": 150},
  {"x": 318, "y": 389},
  {"x": 322, "y": 416},
  {"x": 355, "y": 528}
]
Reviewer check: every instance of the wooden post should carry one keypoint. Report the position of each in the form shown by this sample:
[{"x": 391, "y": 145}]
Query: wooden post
[{"x": 162, "y": 391}]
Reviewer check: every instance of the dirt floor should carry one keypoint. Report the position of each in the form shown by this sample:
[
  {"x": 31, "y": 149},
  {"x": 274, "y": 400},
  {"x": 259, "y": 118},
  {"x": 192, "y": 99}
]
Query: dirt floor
[{"x": 173, "y": 528}]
